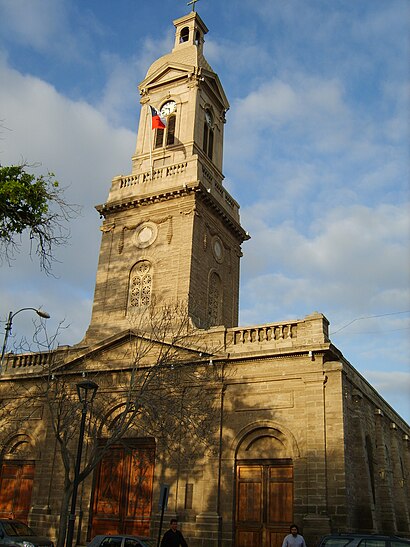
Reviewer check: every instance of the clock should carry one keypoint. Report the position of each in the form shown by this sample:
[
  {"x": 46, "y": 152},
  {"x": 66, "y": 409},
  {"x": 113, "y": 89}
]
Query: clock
[{"x": 168, "y": 108}]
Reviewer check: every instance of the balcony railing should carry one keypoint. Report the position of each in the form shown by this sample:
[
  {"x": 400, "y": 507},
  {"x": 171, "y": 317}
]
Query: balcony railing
[{"x": 265, "y": 333}]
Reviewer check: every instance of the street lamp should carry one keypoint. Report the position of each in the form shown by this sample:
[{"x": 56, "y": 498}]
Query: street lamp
[
  {"x": 9, "y": 323},
  {"x": 86, "y": 392}
]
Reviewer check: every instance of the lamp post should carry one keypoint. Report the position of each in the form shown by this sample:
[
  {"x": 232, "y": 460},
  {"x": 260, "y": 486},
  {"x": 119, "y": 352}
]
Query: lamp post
[
  {"x": 86, "y": 392},
  {"x": 9, "y": 323}
]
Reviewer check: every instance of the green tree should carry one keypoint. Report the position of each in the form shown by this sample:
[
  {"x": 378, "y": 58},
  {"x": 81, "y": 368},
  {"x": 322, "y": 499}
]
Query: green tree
[{"x": 35, "y": 205}]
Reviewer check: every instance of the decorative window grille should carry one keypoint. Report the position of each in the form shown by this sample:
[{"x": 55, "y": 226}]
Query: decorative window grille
[
  {"x": 214, "y": 300},
  {"x": 141, "y": 285}
]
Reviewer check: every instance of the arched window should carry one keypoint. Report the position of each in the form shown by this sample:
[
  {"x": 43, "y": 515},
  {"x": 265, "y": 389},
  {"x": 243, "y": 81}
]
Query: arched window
[
  {"x": 171, "y": 129},
  {"x": 166, "y": 137},
  {"x": 159, "y": 137},
  {"x": 184, "y": 35},
  {"x": 197, "y": 38},
  {"x": 140, "y": 287},
  {"x": 208, "y": 141},
  {"x": 214, "y": 300}
]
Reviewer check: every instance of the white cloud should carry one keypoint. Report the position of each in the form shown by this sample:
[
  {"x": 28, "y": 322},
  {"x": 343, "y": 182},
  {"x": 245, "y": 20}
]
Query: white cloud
[
  {"x": 293, "y": 119},
  {"x": 119, "y": 100},
  {"x": 76, "y": 142},
  {"x": 34, "y": 23},
  {"x": 392, "y": 381},
  {"x": 355, "y": 258},
  {"x": 68, "y": 137},
  {"x": 239, "y": 53},
  {"x": 394, "y": 385},
  {"x": 316, "y": 151}
]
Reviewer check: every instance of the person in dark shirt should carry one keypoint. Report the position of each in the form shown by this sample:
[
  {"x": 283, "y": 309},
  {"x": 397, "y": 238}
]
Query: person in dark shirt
[{"x": 173, "y": 537}]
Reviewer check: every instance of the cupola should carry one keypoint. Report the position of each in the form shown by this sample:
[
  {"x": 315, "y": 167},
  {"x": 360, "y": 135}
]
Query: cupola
[{"x": 189, "y": 31}]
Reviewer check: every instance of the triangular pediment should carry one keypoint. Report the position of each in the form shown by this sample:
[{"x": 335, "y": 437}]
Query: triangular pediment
[
  {"x": 215, "y": 85},
  {"x": 127, "y": 350},
  {"x": 166, "y": 73},
  {"x": 172, "y": 72}
]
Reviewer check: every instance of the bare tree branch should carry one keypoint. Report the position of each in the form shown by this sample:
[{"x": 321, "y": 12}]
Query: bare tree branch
[{"x": 165, "y": 381}]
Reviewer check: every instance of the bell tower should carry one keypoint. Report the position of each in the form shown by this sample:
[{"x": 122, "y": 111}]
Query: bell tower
[{"x": 171, "y": 232}]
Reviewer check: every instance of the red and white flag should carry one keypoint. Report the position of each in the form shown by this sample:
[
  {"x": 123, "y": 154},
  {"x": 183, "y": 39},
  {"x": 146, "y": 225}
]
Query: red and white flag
[{"x": 157, "y": 121}]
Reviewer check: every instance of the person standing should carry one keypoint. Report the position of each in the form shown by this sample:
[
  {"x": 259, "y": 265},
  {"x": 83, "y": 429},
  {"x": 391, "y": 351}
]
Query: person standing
[
  {"x": 173, "y": 537},
  {"x": 294, "y": 539}
]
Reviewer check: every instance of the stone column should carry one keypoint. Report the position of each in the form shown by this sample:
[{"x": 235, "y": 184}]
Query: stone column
[
  {"x": 208, "y": 520},
  {"x": 334, "y": 399},
  {"x": 362, "y": 510},
  {"x": 384, "y": 495},
  {"x": 399, "y": 487},
  {"x": 316, "y": 521}
]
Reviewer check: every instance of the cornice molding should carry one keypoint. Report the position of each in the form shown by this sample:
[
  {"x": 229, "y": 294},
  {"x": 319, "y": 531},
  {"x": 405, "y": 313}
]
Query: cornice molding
[{"x": 175, "y": 193}]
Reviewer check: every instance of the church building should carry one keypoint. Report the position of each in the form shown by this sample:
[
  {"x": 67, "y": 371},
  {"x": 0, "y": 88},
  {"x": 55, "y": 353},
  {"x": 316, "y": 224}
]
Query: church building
[{"x": 297, "y": 434}]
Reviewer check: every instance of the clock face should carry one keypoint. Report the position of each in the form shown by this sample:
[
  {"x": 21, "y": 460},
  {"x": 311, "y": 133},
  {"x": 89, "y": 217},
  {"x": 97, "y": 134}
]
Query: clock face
[{"x": 168, "y": 108}]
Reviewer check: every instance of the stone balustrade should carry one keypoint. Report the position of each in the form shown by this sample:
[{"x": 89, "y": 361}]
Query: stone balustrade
[
  {"x": 126, "y": 183},
  {"x": 289, "y": 335},
  {"x": 264, "y": 333},
  {"x": 220, "y": 192},
  {"x": 144, "y": 178},
  {"x": 31, "y": 361},
  {"x": 313, "y": 329}
]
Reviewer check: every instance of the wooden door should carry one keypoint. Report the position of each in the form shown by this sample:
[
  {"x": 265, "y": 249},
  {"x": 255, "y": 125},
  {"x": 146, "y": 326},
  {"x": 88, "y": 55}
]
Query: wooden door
[
  {"x": 264, "y": 503},
  {"x": 123, "y": 492},
  {"x": 16, "y": 485}
]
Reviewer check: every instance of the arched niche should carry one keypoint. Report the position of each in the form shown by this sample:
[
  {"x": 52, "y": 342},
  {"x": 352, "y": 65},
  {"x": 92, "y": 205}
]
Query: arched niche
[
  {"x": 20, "y": 447},
  {"x": 265, "y": 440},
  {"x": 114, "y": 415}
]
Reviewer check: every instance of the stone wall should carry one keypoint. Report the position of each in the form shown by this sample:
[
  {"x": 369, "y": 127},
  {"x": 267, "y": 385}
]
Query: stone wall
[{"x": 286, "y": 395}]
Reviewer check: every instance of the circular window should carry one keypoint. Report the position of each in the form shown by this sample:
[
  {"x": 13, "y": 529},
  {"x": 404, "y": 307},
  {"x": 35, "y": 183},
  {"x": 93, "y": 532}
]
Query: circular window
[
  {"x": 145, "y": 235},
  {"x": 218, "y": 249}
]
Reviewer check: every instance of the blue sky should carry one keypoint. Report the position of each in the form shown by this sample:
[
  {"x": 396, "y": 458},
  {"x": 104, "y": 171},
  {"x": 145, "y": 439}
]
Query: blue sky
[{"x": 316, "y": 153}]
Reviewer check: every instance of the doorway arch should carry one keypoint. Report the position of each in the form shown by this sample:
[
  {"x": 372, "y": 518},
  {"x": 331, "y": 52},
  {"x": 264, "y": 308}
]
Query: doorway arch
[{"x": 263, "y": 486}]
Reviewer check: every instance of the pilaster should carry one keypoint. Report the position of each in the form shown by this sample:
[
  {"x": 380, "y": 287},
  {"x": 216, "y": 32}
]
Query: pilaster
[
  {"x": 316, "y": 521},
  {"x": 384, "y": 494}
]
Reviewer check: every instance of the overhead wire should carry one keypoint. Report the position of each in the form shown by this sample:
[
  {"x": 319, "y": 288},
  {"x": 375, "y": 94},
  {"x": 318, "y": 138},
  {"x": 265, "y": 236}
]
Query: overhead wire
[{"x": 369, "y": 317}]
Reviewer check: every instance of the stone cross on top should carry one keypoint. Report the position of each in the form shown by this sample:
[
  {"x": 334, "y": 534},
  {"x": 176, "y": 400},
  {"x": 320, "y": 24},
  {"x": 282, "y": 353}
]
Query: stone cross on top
[{"x": 193, "y": 2}]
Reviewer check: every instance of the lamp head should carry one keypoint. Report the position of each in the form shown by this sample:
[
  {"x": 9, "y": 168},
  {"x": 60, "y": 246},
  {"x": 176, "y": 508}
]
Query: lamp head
[
  {"x": 86, "y": 391},
  {"x": 43, "y": 314}
]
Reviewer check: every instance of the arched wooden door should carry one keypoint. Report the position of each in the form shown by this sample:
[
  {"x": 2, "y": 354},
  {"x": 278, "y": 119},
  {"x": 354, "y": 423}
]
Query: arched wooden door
[
  {"x": 122, "y": 497},
  {"x": 264, "y": 502},
  {"x": 16, "y": 485},
  {"x": 264, "y": 487}
]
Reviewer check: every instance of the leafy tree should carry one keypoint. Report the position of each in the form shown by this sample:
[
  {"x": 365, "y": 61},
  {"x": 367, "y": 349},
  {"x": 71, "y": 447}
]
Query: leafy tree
[{"x": 33, "y": 204}]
